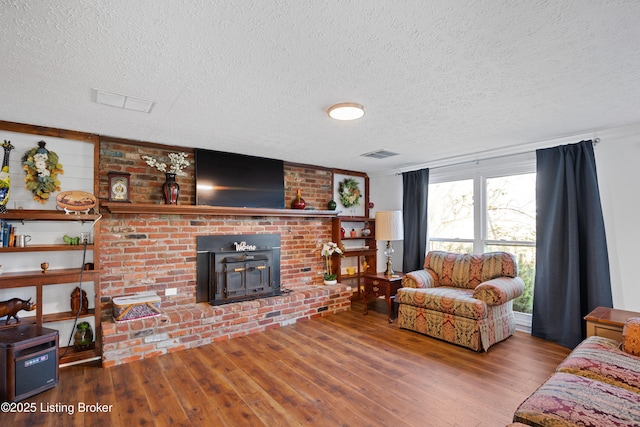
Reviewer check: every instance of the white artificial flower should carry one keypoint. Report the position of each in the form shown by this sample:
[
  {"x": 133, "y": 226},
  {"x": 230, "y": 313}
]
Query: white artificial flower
[{"x": 177, "y": 160}]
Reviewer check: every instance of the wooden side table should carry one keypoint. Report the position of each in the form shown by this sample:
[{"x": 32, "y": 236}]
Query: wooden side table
[
  {"x": 382, "y": 285},
  {"x": 607, "y": 322}
]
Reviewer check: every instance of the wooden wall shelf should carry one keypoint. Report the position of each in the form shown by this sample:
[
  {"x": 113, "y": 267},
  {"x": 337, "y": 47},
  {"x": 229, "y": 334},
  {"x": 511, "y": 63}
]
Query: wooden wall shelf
[
  {"x": 143, "y": 208},
  {"x": 46, "y": 215},
  {"x": 19, "y": 279},
  {"x": 46, "y": 248}
]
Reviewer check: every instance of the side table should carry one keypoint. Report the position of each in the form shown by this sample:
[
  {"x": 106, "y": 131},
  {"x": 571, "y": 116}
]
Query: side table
[
  {"x": 607, "y": 322},
  {"x": 381, "y": 285}
]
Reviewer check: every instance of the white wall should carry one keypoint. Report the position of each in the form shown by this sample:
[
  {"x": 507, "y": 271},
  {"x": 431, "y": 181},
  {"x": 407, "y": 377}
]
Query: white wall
[
  {"x": 618, "y": 166},
  {"x": 386, "y": 194}
]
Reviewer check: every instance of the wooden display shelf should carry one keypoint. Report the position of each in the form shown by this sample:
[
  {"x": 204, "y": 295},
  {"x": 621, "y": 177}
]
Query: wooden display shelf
[
  {"x": 20, "y": 279},
  {"x": 47, "y": 318},
  {"x": 46, "y": 215},
  {"x": 359, "y": 251},
  {"x": 46, "y": 248},
  {"x": 143, "y": 208},
  {"x": 31, "y": 320},
  {"x": 66, "y": 315},
  {"x": 71, "y": 354},
  {"x": 355, "y": 218}
]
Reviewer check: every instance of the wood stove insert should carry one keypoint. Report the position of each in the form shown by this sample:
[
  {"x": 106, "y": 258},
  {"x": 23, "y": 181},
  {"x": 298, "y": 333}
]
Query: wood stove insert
[{"x": 237, "y": 267}]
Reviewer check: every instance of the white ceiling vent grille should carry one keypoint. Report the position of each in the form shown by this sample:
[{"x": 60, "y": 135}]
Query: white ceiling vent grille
[
  {"x": 123, "y": 101},
  {"x": 380, "y": 154}
]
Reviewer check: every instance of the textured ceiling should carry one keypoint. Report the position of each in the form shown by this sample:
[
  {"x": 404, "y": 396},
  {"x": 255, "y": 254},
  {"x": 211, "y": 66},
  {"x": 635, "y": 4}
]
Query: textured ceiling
[{"x": 437, "y": 78}]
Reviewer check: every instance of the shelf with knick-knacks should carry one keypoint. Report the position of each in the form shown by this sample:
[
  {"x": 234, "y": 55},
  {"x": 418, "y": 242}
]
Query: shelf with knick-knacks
[
  {"x": 356, "y": 235},
  {"x": 45, "y": 258}
]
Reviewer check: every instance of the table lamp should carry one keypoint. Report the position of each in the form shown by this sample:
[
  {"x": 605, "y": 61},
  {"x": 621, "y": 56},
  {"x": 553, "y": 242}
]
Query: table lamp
[{"x": 389, "y": 227}]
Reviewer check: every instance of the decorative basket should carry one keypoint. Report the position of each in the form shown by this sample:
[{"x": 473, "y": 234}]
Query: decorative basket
[{"x": 136, "y": 306}]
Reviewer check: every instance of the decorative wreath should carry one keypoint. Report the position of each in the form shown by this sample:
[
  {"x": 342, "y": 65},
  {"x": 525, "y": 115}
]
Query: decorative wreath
[
  {"x": 42, "y": 169},
  {"x": 349, "y": 193}
]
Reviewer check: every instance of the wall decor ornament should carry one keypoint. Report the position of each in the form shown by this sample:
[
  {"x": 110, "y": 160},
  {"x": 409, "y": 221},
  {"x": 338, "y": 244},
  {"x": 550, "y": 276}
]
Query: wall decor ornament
[
  {"x": 42, "y": 169},
  {"x": 350, "y": 193},
  {"x": 5, "y": 181}
]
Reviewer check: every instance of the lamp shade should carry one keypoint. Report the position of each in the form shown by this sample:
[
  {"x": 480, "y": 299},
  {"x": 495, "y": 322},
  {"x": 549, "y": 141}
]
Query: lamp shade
[{"x": 389, "y": 225}]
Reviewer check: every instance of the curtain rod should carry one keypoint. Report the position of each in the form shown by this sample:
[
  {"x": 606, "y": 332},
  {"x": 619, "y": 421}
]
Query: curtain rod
[{"x": 594, "y": 141}]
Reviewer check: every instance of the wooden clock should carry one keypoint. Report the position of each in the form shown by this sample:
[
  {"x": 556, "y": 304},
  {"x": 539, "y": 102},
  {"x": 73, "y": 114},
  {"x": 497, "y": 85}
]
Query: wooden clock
[{"x": 119, "y": 186}]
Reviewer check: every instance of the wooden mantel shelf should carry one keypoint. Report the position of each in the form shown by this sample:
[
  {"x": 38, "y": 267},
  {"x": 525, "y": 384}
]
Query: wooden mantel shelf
[{"x": 143, "y": 208}]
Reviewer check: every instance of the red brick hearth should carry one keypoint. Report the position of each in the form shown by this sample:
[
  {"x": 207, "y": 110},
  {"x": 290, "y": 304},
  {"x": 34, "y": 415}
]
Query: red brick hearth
[{"x": 186, "y": 326}]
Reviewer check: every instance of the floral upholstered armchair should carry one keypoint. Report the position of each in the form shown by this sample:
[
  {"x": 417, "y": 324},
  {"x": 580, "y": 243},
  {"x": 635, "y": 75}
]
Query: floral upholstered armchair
[{"x": 461, "y": 298}]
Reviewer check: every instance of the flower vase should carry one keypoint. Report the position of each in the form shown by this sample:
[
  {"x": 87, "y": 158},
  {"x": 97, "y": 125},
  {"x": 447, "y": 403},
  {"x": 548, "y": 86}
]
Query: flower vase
[
  {"x": 298, "y": 202},
  {"x": 170, "y": 189},
  {"x": 330, "y": 282}
]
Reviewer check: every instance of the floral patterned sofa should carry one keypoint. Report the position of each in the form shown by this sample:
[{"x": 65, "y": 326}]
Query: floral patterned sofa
[
  {"x": 461, "y": 298},
  {"x": 598, "y": 384}
]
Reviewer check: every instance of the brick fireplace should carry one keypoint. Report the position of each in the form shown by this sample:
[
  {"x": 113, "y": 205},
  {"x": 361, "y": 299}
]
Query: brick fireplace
[{"x": 157, "y": 251}]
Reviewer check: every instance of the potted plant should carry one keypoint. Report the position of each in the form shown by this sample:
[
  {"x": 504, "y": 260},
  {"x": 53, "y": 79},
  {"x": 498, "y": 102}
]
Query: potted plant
[
  {"x": 328, "y": 249},
  {"x": 83, "y": 336}
]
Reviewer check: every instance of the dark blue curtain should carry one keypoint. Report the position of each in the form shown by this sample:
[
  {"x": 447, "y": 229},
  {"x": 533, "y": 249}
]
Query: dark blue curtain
[
  {"x": 415, "y": 189},
  {"x": 572, "y": 264}
]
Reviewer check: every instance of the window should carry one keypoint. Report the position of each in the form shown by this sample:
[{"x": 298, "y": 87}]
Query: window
[{"x": 484, "y": 208}]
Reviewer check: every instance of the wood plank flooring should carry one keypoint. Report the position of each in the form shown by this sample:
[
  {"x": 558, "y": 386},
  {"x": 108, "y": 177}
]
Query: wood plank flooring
[{"x": 341, "y": 370}]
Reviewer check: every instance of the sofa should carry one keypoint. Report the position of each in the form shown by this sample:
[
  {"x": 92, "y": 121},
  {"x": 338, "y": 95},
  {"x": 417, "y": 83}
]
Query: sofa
[
  {"x": 598, "y": 384},
  {"x": 463, "y": 299}
]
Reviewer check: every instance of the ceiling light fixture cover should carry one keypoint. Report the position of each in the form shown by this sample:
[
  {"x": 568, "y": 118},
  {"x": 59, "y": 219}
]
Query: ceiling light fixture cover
[{"x": 346, "y": 111}]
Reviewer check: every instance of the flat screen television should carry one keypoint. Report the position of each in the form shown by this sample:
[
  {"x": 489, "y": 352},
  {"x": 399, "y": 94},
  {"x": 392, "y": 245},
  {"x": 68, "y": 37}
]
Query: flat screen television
[{"x": 238, "y": 180}]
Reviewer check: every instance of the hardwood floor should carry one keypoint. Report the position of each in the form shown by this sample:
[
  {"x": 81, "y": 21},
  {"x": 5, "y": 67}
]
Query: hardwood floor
[{"x": 341, "y": 370}]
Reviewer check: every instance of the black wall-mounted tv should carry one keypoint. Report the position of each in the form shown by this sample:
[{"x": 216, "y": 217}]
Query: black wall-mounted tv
[{"x": 228, "y": 179}]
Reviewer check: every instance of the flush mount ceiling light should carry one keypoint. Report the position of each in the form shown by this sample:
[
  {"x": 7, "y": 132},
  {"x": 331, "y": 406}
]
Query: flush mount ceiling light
[
  {"x": 123, "y": 101},
  {"x": 346, "y": 111}
]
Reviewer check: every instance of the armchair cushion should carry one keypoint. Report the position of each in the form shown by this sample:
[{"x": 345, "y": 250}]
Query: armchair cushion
[
  {"x": 500, "y": 290},
  {"x": 420, "y": 279},
  {"x": 468, "y": 271}
]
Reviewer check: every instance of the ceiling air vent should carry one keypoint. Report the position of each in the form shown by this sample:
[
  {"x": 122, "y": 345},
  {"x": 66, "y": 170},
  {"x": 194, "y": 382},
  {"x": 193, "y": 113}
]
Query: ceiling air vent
[
  {"x": 380, "y": 154},
  {"x": 123, "y": 101}
]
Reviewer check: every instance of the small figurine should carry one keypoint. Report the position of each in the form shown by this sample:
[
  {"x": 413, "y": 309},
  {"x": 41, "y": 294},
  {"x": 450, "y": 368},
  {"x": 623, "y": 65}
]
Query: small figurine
[
  {"x": 10, "y": 308},
  {"x": 78, "y": 296}
]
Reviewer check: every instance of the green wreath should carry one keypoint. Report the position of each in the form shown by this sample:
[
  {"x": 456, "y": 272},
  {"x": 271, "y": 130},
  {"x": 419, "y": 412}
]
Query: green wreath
[{"x": 349, "y": 193}]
